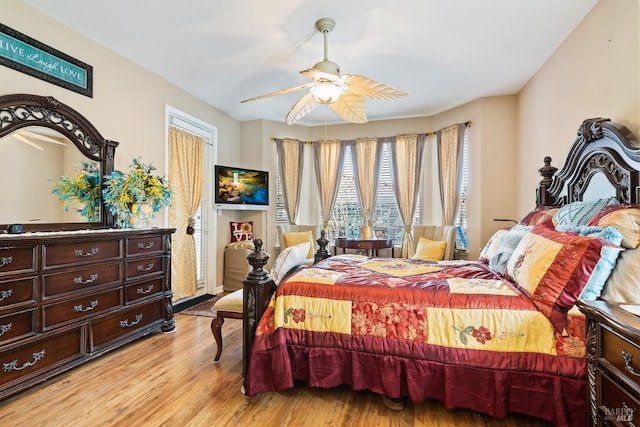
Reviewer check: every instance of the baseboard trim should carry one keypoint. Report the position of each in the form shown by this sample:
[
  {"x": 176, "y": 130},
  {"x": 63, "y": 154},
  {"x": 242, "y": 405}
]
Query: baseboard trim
[{"x": 190, "y": 303}]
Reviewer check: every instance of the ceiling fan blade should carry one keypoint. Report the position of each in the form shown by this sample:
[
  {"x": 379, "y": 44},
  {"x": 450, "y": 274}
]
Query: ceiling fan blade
[
  {"x": 281, "y": 92},
  {"x": 364, "y": 86},
  {"x": 350, "y": 107},
  {"x": 304, "y": 106}
]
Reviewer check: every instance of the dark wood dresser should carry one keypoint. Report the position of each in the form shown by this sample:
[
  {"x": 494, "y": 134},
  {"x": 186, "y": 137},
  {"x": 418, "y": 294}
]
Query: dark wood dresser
[
  {"x": 69, "y": 297},
  {"x": 613, "y": 355}
]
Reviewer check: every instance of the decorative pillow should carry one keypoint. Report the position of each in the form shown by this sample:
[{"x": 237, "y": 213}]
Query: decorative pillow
[
  {"x": 625, "y": 219},
  {"x": 623, "y": 285},
  {"x": 508, "y": 243},
  {"x": 241, "y": 231},
  {"x": 609, "y": 256},
  {"x": 492, "y": 246},
  {"x": 580, "y": 213},
  {"x": 553, "y": 268},
  {"x": 430, "y": 250},
  {"x": 296, "y": 237},
  {"x": 539, "y": 215},
  {"x": 290, "y": 258}
]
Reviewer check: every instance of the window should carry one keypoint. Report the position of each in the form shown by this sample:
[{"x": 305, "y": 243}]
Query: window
[
  {"x": 461, "y": 218},
  {"x": 346, "y": 219}
]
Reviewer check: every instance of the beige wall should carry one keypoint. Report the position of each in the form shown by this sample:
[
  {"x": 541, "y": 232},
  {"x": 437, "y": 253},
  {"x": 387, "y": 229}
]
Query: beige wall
[{"x": 594, "y": 73}]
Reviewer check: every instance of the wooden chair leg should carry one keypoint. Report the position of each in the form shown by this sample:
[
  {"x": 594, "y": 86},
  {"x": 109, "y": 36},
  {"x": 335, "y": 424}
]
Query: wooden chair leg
[{"x": 216, "y": 329}]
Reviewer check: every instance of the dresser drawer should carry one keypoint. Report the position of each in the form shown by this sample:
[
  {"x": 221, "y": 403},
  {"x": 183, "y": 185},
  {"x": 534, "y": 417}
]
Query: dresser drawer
[
  {"x": 17, "y": 325},
  {"x": 622, "y": 354},
  {"x": 144, "y": 245},
  {"x": 17, "y": 291},
  {"x": 80, "y": 279},
  {"x": 18, "y": 259},
  {"x": 36, "y": 356},
  {"x": 140, "y": 267},
  {"x": 125, "y": 321},
  {"x": 615, "y": 405},
  {"x": 144, "y": 289},
  {"x": 72, "y": 253},
  {"x": 65, "y": 311}
]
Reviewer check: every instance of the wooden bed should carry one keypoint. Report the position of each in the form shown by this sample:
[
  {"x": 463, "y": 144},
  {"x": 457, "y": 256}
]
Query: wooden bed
[{"x": 461, "y": 332}]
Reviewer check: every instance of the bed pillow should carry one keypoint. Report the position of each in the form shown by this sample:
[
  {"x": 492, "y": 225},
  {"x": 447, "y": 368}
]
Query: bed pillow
[
  {"x": 625, "y": 219},
  {"x": 553, "y": 268},
  {"x": 492, "y": 246},
  {"x": 539, "y": 215},
  {"x": 508, "y": 243},
  {"x": 623, "y": 285},
  {"x": 290, "y": 258},
  {"x": 609, "y": 256},
  {"x": 581, "y": 213},
  {"x": 296, "y": 237},
  {"x": 241, "y": 231},
  {"x": 430, "y": 250}
]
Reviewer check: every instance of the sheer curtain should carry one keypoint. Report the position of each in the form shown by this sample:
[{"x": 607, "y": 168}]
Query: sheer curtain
[
  {"x": 290, "y": 165},
  {"x": 365, "y": 156},
  {"x": 186, "y": 177},
  {"x": 406, "y": 159},
  {"x": 450, "y": 142},
  {"x": 328, "y": 160}
]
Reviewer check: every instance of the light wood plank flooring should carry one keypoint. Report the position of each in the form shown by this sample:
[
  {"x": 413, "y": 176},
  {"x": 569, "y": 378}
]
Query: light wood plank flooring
[{"x": 171, "y": 380}]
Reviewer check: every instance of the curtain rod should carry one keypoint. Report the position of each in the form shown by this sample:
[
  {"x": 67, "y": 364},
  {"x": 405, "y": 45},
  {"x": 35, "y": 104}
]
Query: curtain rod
[{"x": 468, "y": 124}]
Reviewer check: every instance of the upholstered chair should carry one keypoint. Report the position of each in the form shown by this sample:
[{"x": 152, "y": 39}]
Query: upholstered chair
[
  {"x": 294, "y": 234},
  {"x": 437, "y": 233}
]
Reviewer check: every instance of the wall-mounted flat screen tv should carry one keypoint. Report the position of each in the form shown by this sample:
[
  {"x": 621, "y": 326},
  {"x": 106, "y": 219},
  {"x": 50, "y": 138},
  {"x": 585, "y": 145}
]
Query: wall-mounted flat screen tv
[{"x": 239, "y": 188}]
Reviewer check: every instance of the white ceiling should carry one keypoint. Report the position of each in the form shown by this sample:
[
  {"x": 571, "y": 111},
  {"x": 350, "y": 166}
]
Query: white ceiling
[{"x": 443, "y": 52}]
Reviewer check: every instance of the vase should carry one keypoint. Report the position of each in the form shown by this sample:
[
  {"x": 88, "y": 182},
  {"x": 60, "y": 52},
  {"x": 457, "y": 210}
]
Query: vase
[
  {"x": 141, "y": 215},
  {"x": 365, "y": 232}
]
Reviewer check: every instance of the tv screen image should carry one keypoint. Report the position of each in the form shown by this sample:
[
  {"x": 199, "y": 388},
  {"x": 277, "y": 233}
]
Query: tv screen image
[{"x": 239, "y": 188}]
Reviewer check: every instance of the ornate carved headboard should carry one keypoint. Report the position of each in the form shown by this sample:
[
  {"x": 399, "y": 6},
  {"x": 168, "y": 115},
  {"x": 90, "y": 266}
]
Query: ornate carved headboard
[{"x": 604, "y": 160}]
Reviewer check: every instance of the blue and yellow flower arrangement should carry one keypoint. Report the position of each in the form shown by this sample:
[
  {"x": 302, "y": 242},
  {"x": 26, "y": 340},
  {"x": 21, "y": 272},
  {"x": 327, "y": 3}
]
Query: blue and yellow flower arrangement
[
  {"x": 81, "y": 189},
  {"x": 135, "y": 195}
]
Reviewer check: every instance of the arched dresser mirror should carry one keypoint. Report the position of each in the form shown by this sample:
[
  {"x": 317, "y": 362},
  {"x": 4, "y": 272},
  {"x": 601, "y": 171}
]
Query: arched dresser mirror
[{"x": 42, "y": 139}]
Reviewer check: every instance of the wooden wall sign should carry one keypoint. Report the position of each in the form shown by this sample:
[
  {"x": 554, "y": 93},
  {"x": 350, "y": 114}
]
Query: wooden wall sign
[{"x": 22, "y": 53}]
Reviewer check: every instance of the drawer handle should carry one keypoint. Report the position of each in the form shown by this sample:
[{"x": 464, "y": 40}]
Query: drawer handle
[
  {"x": 147, "y": 268},
  {"x": 5, "y": 294},
  {"x": 143, "y": 246},
  {"x": 5, "y": 328},
  {"x": 79, "y": 308},
  {"x": 79, "y": 252},
  {"x": 628, "y": 360},
  {"x": 5, "y": 260},
  {"x": 126, "y": 324},
  {"x": 13, "y": 366},
  {"x": 142, "y": 291},
  {"x": 91, "y": 279}
]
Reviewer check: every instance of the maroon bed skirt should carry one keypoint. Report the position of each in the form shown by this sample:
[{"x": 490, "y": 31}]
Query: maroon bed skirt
[{"x": 560, "y": 400}]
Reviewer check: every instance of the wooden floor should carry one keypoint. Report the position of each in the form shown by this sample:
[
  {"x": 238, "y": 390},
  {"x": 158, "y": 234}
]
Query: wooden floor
[{"x": 171, "y": 380}]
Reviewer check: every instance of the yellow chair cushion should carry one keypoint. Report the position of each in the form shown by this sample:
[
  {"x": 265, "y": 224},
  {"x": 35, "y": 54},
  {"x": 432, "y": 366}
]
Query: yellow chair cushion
[
  {"x": 231, "y": 302},
  {"x": 296, "y": 237},
  {"x": 430, "y": 250}
]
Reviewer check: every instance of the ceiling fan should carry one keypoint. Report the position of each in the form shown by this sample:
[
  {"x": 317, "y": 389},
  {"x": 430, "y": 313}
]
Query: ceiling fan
[{"x": 344, "y": 93}]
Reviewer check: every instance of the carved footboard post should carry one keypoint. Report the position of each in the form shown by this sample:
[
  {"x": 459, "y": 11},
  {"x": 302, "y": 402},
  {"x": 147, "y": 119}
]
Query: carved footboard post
[
  {"x": 257, "y": 290},
  {"x": 322, "y": 252}
]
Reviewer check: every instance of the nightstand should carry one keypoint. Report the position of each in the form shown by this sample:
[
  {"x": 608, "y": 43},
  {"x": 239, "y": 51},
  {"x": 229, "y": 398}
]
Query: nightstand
[{"x": 613, "y": 370}]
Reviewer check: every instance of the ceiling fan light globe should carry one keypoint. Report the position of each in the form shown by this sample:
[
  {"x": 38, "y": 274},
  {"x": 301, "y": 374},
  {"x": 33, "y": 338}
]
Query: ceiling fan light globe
[{"x": 326, "y": 93}]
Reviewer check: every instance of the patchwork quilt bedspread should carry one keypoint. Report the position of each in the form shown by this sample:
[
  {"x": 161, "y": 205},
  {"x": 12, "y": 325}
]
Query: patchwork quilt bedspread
[{"x": 453, "y": 312}]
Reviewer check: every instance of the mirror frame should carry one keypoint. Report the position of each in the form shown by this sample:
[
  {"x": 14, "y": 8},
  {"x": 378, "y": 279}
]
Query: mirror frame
[{"x": 21, "y": 110}]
